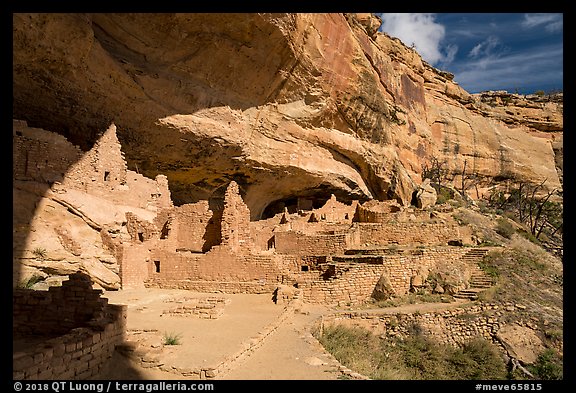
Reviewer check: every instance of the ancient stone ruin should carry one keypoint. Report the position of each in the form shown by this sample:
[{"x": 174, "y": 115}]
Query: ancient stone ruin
[
  {"x": 336, "y": 253},
  {"x": 277, "y": 154},
  {"x": 67, "y": 332}
]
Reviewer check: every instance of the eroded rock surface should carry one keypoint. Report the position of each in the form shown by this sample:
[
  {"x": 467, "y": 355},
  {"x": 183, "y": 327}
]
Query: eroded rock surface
[{"x": 287, "y": 105}]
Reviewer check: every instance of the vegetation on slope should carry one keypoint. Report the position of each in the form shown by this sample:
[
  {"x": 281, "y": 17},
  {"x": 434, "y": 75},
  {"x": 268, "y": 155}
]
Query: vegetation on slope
[
  {"x": 413, "y": 358},
  {"x": 524, "y": 272}
]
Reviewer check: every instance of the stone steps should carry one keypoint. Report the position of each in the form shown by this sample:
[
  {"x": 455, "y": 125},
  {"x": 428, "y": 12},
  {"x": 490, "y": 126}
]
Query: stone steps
[
  {"x": 479, "y": 281},
  {"x": 470, "y": 293},
  {"x": 474, "y": 255},
  {"x": 481, "y": 284}
]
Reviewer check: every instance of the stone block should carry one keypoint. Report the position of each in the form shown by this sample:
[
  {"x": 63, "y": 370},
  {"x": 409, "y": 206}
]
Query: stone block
[{"x": 22, "y": 361}]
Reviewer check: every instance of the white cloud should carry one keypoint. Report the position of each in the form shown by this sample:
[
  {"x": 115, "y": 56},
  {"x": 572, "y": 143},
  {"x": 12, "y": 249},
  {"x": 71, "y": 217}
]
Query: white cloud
[
  {"x": 555, "y": 26},
  {"x": 422, "y": 32},
  {"x": 552, "y": 22},
  {"x": 485, "y": 48},
  {"x": 451, "y": 51},
  {"x": 518, "y": 70}
]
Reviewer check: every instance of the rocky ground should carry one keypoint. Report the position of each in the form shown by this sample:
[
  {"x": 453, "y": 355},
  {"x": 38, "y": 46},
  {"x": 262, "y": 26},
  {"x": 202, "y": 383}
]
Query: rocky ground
[{"x": 288, "y": 352}]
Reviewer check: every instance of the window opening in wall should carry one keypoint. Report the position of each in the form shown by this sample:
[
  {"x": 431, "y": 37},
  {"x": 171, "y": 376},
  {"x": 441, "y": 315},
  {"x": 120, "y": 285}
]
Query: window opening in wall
[
  {"x": 329, "y": 272},
  {"x": 165, "y": 231},
  {"x": 272, "y": 242},
  {"x": 304, "y": 268},
  {"x": 141, "y": 236},
  {"x": 157, "y": 266},
  {"x": 26, "y": 164},
  {"x": 106, "y": 175}
]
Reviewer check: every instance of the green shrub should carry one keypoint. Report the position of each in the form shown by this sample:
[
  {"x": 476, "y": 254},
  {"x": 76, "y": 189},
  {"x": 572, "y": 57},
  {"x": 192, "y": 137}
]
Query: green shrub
[
  {"x": 477, "y": 359},
  {"x": 40, "y": 252},
  {"x": 505, "y": 228},
  {"x": 422, "y": 357},
  {"x": 530, "y": 236},
  {"x": 443, "y": 195},
  {"x": 172, "y": 339},
  {"x": 548, "y": 366},
  {"x": 413, "y": 357},
  {"x": 488, "y": 268},
  {"x": 355, "y": 347},
  {"x": 530, "y": 261},
  {"x": 31, "y": 281}
]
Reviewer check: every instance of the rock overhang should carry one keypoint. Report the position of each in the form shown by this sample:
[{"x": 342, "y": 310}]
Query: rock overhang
[{"x": 274, "y": 100}]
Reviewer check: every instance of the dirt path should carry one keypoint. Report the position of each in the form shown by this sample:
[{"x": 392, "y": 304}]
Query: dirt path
[
  {"x": 290, "y": 353},
  {"x": 253, "y": 338}
]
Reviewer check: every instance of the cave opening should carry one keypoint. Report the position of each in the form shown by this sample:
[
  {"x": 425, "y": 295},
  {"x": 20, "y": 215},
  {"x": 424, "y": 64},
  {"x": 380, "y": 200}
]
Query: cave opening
[
  {"x": 294, "y": 204},
  {"x": 305, "y": 201}
]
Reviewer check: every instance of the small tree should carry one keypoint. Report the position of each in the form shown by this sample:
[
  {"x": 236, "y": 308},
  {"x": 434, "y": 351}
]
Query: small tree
[
  {"x": 469, "y": 180},
  {"x": 532, "y": 207},
  {"x": 436, "y": 171}
]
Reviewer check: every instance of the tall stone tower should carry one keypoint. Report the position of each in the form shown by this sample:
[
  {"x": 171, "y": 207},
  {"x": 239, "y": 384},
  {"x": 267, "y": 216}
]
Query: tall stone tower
[{"x": 235, "y": 219}]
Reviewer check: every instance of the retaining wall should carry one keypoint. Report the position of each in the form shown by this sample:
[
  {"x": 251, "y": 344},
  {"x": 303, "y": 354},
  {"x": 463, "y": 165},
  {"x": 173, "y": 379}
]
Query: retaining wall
[{"x": 67, "y": 332}]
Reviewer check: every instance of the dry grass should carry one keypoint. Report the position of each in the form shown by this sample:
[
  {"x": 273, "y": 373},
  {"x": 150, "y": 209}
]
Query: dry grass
[{"x": 413, "y": 358}]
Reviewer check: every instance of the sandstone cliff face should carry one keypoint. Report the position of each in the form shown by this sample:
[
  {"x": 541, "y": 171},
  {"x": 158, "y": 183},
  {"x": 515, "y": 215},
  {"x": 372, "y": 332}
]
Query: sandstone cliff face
[
  {"x": 286, "y": 105},
  {"x": 538, "y": 112}
]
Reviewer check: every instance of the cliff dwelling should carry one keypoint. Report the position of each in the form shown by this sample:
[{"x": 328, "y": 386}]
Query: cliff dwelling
[
  {"x": 265, "y": 173},
  {"x": 330, "y": 252},
  {"x": 318, "y": 246}
]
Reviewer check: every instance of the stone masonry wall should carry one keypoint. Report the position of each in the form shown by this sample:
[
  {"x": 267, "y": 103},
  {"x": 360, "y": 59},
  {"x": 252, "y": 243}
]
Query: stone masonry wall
[
  {"x": 235, "y": 227},
  {"x": 57, "y": 310},
  {"x": 407, "y": 233},
  {"x": 351, "y": 284},
  {"x": 353, "y": 281},
  {"x": 220, "y": 269},
  {"x": 298, "y": 243},
  {"x": 101, "y": 169},
  {"x": 191, "y": 222},
  {"x": 335, "y": 211},
  {"x": 47, "y": 157},
  {"x": 134, "y": 265},
  {"x": 376, "y": 211},
  {"x": 453, "y": 327},
  {"x": 262, "y": 233},
  {"x": 103, "y": 172},
  {"x": 185, "y": 227},
  {"x": 139, "y": 229},
  {"x": 143, "y": 192},
  {"x": 80, "y": 354},
  {"x": 40, "y": 155},
  {"x": 80, "y": 331}
]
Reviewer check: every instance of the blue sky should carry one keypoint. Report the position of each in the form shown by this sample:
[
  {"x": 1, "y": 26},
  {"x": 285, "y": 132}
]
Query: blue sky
[{"x": 517, "y": 52}]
